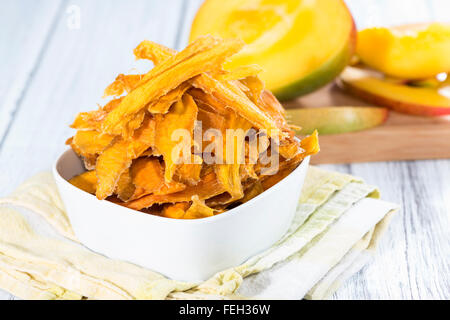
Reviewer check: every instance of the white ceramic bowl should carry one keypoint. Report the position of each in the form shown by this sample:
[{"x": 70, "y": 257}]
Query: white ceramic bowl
[{"x": 189, "y": 250}]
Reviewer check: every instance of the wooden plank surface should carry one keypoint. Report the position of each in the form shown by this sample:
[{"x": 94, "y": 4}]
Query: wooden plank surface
[
  {"x": 66, "y": 70},
  {"x": 23, "y": 45}
]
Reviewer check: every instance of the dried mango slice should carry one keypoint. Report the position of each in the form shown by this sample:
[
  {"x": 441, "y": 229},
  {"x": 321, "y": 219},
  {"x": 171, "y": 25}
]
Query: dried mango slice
[
  {"x": 110, "y": 165},
  {"x": 88, "y": 120},
  {"x": 198, "y": 210},
  {"x": 88, "y": 145},
  {"x": 229, "y": 173},
  {"x": 255, "y": 88},
  {"x": 276, "y": 174},
  {"x": 211, "y": 120},
  {"x": 163, "y": 104},
  {"x": 92, "y": 142},
  {"x": 233, "y": 97},
  {"x": 247, "y": 171},
  {"x": 271, "y": 180},
  {"x": 87, "y": 181},
  {"x": 170, "y": 187},
  {"x": 160, "y": 83},
  {"x": 158, "y": 52},
  {"x": 167, "y": 58},
  {"x": 92, "y": 120},
  {"x": 89, "y": 160},
  {"x": 271, "y": 106},
  {"x": 310, "y": 144},
  {"x": 240, "y": 72},
  {"x": 224, "y": 199},
  {"x": 147, "y": 173},
  {"x": 254, "y": 190},
  {"x": 181, "y": 116},
  {"x": 131, "y": 123},
  {"x": 150, "y": 152},
  {"x": 164, "y": 58},
  {"x": 118, "y": 157},
  {"x": 122, "y": 83},
  {"x": 153, "y": 51},
  {"x": 289, "y": 148},
  {"x": 182, "y": 55},
  {"x": 229, "y": 177},
  {"x": 207, "y": 188},
  {"x": 188, "y": 173},
  {"x": 208, "y": 102},
  {"x": 145, "y": 50},
  {"x": 184, "y": 87},
  {"x": 125, "y": 188},
  {"x": 146, "y": 134},
  {"x": 175, "y": 211}
]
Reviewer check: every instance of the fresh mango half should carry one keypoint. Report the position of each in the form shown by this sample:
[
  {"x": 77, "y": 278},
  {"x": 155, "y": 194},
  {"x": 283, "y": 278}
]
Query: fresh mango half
[
  {"x": 300, "y": 44},
  {"x": 408, "y": 52},
  {"x": 331, "y": 120},
  {"x": 401, "y": 97}
]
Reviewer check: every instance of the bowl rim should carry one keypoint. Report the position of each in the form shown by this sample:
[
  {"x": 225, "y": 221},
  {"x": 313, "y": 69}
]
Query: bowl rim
[{"x": 224, "y": 215}]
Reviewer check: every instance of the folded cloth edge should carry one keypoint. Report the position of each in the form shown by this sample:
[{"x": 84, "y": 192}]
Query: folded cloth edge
[{"x": 65, "y": 229}]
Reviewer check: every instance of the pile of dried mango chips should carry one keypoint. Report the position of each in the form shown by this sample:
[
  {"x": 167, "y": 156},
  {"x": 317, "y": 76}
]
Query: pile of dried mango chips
[{"x": 188, "y": 139}]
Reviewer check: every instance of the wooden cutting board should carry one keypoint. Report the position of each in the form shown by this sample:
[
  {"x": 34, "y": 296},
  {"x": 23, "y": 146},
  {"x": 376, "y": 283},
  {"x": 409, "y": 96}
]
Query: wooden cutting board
[{"x": 402, "y": 137}]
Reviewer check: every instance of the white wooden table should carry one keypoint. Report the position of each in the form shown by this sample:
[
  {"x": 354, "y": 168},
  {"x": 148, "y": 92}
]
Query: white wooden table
[{"x": 52, "y": 67}]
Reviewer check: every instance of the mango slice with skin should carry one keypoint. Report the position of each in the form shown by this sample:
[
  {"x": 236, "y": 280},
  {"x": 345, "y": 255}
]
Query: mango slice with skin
[
  {"x": 289, "y": 39},
  {"x": 422, "y": 101},
  {"x": 408, "y": 52},
  {"x": 332, "y": 120}
]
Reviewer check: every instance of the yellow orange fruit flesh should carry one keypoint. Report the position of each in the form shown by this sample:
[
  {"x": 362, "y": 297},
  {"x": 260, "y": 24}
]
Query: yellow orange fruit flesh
[
  {"x": 409, "y": 52},
  {"x": 289, "y": 39},
  {"x": 423, "y": 101}
]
